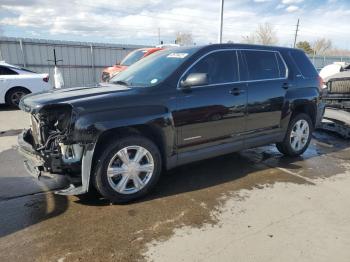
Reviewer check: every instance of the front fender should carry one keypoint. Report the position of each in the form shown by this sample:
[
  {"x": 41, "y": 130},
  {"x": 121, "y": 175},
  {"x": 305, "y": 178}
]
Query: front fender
[{"x": 88, "y": 127}]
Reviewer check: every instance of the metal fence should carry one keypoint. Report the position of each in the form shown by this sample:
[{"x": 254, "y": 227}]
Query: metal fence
[
  {"x": 321, "y": 61},
  {"x": 82, "y": 62}
]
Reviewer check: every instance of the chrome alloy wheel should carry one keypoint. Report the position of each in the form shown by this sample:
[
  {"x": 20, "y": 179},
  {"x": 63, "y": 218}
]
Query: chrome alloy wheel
[
  {"x": 130, "y": 169},
  {"x": 299, "y": 135}
]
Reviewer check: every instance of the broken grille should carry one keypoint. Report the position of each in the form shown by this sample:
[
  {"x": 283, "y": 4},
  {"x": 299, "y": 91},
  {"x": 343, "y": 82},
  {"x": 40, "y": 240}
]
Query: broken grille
[{"x": 339, "y": 86}]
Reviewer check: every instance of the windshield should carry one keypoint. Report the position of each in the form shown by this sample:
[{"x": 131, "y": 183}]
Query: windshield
[
  {"x": 133, "y": 57},
  {"x": 153, "y": 69}
]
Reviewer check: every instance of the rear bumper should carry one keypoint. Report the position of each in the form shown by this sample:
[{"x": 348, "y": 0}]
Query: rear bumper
[{"x": 337, "y": 100}]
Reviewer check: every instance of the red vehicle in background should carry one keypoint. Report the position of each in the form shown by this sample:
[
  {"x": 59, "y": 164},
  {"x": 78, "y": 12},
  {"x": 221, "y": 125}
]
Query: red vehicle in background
[{"x": 130, "y": 59}]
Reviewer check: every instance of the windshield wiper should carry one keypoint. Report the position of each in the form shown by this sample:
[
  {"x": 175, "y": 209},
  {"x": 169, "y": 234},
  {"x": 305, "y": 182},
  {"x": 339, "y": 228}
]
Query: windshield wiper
[{"x": 120, "y": 82}]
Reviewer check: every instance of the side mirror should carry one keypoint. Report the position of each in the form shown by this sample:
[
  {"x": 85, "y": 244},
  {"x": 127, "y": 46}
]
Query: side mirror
[{"x": 195, "y": 79}]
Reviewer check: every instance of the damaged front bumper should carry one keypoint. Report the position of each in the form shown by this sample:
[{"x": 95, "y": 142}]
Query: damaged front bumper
[{"x": 35, "y": 164}]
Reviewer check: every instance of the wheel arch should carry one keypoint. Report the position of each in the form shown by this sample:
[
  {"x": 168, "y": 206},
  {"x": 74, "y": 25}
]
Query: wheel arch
[
  {"x": 13, "y": 88},
  {"x": 307, "y": 108},
  {"x": 152, "y": 132}
]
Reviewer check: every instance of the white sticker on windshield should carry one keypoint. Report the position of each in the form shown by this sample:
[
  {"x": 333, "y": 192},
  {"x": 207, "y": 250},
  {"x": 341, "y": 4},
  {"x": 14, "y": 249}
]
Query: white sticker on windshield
[
  {"x": 177, "y": 55},
  {"x": 153, "y": 81}
]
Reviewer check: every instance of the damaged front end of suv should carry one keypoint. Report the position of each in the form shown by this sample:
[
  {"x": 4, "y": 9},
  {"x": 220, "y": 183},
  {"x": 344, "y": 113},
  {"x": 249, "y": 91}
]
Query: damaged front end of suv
[
  {"x": 337, "y": 94},
  {"x": 52, "y": 146}
]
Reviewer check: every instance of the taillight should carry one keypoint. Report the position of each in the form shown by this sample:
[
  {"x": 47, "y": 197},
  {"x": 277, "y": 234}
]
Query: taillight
[{"x": 46, "y": 79}]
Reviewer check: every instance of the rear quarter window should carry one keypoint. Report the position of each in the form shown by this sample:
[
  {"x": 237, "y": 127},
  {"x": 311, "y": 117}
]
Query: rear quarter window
[{"x": 303, "y": 63}]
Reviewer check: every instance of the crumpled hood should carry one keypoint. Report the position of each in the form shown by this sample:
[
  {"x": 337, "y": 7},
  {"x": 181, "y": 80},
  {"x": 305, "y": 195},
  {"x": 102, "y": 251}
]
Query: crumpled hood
[{"x": 34, "y": 102}]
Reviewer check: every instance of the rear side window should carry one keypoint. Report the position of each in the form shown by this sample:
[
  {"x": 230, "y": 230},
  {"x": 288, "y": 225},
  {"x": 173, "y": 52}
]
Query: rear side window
[
  {"x": 303, "y": 63},
  {"x": 220, "y": 66},
  {"x": 264, "y": 65},
  {"x": 7, "y": 71}
]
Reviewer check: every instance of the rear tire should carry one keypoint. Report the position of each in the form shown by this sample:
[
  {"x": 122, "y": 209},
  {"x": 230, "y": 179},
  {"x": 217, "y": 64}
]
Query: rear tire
[
  {"x": 128, "y": 169},
  {"x": 298, "y": 136},
  {"x": 14, "y": 95}
]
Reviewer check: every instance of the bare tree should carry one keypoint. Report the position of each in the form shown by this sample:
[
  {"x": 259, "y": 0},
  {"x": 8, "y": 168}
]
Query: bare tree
[
  {"x": 322, "y": 46},
  {"x": 264, "y": 35},
  {"x": 338, "y": 52},
  {"x": 249, "y": 39},
  {"x": 184, "y": 38}
]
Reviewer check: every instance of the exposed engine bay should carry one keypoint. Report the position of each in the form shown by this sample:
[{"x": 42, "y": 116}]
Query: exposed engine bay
[{"x": 49, "y": 137}]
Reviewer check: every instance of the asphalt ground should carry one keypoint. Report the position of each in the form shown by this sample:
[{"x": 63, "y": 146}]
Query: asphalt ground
[{"x": 255, "y": 205}]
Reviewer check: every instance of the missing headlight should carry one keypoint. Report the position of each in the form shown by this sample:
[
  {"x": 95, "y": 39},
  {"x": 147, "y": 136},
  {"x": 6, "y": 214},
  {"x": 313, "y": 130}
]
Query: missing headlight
[{"x": 53, "y": 124}]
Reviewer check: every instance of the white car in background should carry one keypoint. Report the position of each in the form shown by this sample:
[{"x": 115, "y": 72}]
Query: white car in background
[{"x": 16, "y": 82}]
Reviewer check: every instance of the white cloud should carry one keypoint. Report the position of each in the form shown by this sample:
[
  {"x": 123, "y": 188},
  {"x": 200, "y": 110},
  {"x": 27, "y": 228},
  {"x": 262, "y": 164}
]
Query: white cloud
[
  {"x": 262, "y": 1},
  {"x": 137, "y": 21},
  {"x": 290, "y": 2},
  {"x": 292, "y": 8}
]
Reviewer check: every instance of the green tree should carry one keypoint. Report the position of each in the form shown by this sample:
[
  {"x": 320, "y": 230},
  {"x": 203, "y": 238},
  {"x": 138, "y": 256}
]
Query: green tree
[{"x": 305, "y": 45}]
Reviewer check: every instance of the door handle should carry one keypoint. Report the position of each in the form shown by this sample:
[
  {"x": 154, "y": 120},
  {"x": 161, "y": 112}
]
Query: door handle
[
  {"x": 285, "y": 85},
  {"x": 237, "y": 91}
]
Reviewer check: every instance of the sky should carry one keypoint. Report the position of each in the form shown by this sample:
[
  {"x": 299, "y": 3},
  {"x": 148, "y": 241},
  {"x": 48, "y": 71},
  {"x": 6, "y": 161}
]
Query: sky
[{"x": 141, "y": 21}]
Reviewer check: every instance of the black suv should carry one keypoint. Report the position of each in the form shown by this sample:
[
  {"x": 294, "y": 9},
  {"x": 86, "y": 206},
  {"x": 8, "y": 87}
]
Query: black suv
[{"x": 174, "y": 107}]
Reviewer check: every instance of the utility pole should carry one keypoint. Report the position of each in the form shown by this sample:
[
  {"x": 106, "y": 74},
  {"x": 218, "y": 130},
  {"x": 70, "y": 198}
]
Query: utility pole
[
  {"x": 159, "y": 35},
  {"x": 296, "y": 33},
  {"x": 221, "y": 21}
]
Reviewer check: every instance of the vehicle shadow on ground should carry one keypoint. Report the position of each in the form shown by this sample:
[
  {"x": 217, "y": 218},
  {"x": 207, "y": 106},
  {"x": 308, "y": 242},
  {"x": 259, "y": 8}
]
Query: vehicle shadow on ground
[
  {"x": 8, "y": 108},
  {"x": 20, "y": 213},
  {"x": 23, "y": 201},
  {"x": 231, "y": 167}
]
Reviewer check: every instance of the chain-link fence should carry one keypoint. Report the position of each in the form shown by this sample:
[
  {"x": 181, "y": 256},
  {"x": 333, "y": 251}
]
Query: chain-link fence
[{"x": 321, "y": 61}]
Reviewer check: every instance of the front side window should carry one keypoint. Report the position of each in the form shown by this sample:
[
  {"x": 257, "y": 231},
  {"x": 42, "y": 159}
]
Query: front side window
[
  {"x": 262, "y": 65},
  {"x": 221, "y": 67}
]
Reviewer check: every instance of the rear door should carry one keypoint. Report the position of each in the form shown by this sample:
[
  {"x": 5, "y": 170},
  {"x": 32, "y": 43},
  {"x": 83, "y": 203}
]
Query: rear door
[
  {"x": 214, "y": 113},
  {"x": 267, "y": 87}
]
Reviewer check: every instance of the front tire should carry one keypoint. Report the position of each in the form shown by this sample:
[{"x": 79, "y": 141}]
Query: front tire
[
  {"x": 128, "y": 169},
  {"x": 298, "y": 136}
]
